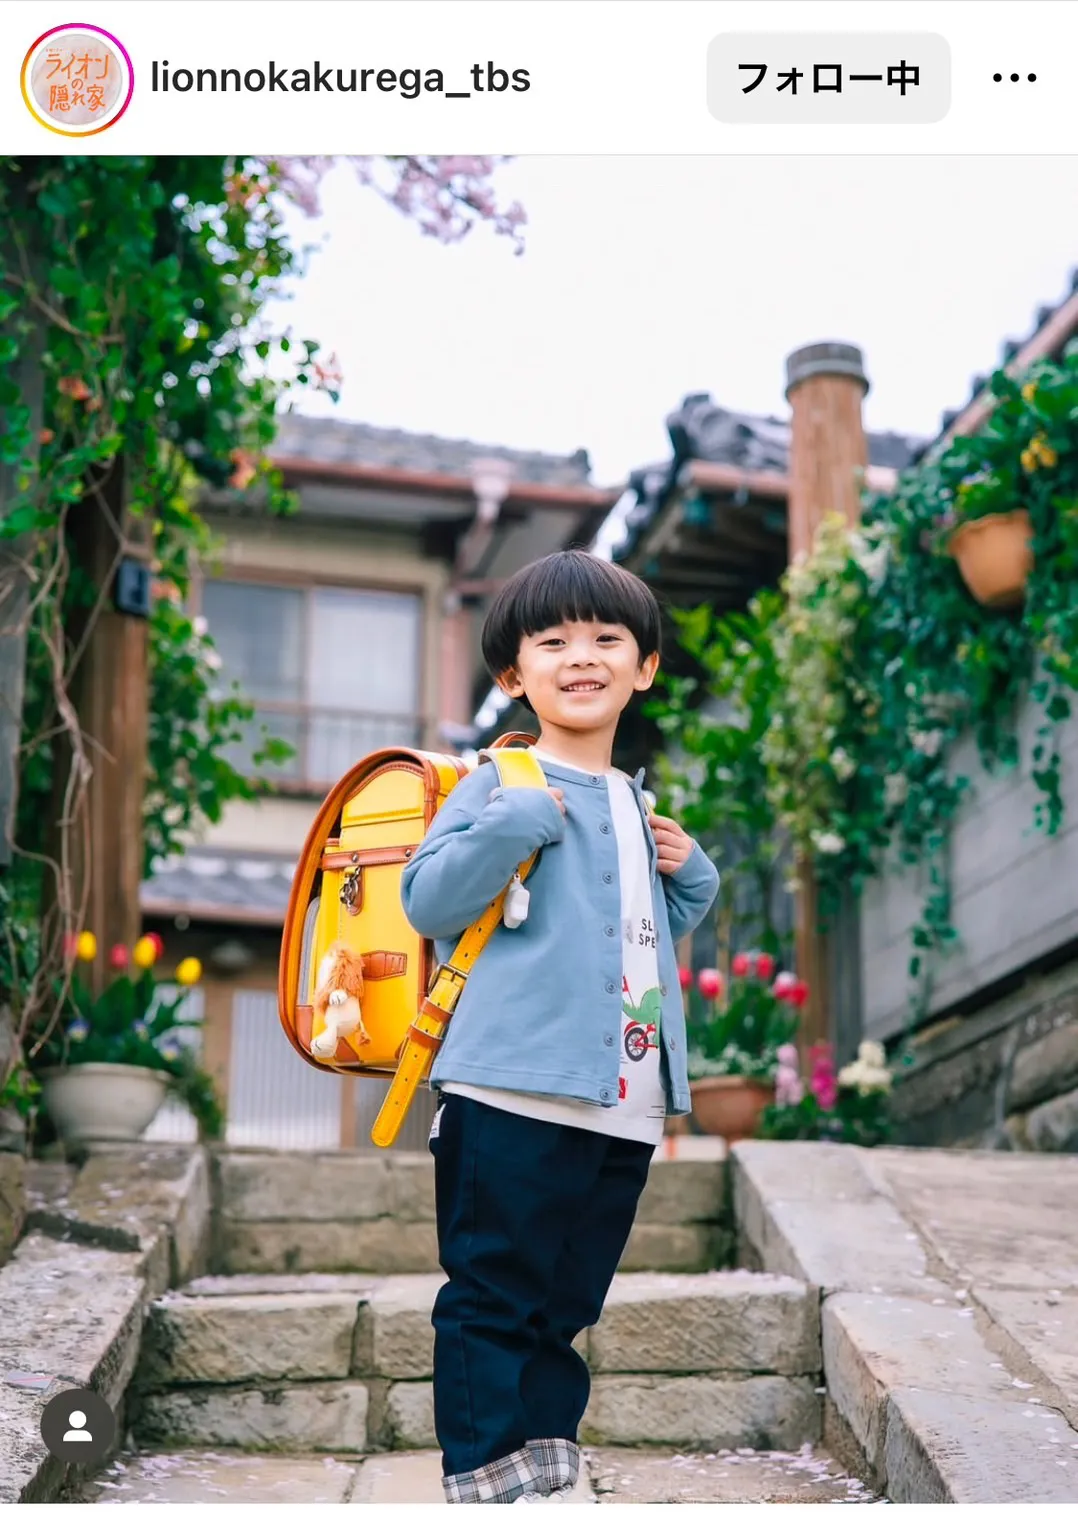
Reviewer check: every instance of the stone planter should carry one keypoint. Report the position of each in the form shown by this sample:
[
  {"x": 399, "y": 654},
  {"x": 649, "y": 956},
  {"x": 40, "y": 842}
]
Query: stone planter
[
  {"x": 994, "y": 557},
  {"x": 729, "y": 1106},
  {"x": 100, "y": 1101}
]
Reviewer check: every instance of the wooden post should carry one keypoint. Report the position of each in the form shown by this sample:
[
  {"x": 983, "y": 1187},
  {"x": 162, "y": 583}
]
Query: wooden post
[
  {"x": 110, "y": 693},
  {"x": 826, "y": 385}
]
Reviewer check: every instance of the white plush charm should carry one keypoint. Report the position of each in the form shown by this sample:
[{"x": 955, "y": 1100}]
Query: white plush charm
[
  {"x": 515, "y": 910},
  {"x": 337, "y": 1000}
]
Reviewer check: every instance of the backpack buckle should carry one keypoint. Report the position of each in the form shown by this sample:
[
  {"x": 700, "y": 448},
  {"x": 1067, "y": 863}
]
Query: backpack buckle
[{"x": 351, "y": 892}]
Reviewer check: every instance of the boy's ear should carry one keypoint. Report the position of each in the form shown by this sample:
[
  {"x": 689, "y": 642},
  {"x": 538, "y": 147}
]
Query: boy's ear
[
  {"x": 510, "y": 682},
  {"x": 646, "y": 673}
]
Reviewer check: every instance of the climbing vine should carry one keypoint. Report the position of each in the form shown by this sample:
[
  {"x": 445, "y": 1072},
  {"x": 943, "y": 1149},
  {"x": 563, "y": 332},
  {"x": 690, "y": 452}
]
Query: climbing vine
[
  {"x": 883, "y": 660},
  {"x": 136, "y": 369}
]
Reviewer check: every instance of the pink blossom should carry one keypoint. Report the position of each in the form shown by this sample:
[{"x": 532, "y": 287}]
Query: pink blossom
[
  {"x": 765, "y": 966},
  {"x": 741, "y": 964},
  {"x": 823, "y": 1082},
  {"x": 684, "y": 976},
  {"x": 709, "y": 983}
]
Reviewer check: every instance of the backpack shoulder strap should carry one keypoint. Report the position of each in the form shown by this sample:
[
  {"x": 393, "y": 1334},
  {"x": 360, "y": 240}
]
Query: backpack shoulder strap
[{"x": 516, "y": 767}]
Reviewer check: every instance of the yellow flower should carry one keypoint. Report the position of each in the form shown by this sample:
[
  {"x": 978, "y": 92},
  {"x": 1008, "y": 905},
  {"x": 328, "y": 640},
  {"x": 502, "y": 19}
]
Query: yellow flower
[
  {"x": 188, "y": 972},
  {"x": 1029, "y": 391},
  {"x": 1028, "y": 460},
  {"x": 87, "y": 946},
  {"x": 144, "y": 953},
  {"x": 1049, "y": 457}
]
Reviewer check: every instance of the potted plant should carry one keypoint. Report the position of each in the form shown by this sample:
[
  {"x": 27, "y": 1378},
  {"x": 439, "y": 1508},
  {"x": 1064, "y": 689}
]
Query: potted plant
[
  {"x": 116, "y": 1056},
  {"x": 735, "y": 1031},
  {"x": 990, "y": 538},
  {"x": 850, "y": 1107}
]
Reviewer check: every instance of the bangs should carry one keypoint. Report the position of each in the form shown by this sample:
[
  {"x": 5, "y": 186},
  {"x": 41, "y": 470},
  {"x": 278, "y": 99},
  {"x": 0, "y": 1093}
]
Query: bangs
[{"x": 573, "y": 586}]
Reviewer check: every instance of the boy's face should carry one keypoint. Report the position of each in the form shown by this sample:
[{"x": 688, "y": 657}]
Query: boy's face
[{"x": 580, "y": 675}]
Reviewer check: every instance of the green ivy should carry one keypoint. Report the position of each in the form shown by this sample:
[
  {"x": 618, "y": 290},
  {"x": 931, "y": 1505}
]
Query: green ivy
[{"x": 880, "y": 660}]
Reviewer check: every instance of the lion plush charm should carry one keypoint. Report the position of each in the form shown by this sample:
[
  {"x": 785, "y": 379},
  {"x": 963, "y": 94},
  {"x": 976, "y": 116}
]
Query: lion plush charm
[{"x": 337, "y": 1000}]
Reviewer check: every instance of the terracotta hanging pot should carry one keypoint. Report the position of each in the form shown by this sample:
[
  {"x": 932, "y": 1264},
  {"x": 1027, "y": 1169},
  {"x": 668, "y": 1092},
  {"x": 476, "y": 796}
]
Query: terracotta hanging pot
[{"x": 994, "y": 555}]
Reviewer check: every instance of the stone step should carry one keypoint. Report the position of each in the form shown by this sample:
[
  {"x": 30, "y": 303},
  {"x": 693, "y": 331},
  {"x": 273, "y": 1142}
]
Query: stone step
[
  {"x": 343, "y": 1364},
  {"x": 629, "y": 1475},
  {"x": 375, "y": 1213}
]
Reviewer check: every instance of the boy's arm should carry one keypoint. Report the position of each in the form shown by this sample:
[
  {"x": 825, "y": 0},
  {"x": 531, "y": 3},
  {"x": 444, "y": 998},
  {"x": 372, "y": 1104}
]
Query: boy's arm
[
  {"x": 482, "y": 833},
  {"x": 690, "y": 891}
]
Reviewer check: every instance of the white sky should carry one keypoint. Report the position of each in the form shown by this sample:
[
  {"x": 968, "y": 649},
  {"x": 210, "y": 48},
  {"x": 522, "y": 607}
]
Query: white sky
[{"x": 645, "y": 279}]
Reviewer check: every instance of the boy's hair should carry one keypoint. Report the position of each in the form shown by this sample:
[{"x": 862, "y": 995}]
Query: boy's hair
[{"x": 573, "y": 586}]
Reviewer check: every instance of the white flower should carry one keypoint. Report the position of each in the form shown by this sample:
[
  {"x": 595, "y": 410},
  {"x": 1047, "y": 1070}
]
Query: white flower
[
  {"x": 872, "y": 1053},
  {"x": 927, "y": 743},
  {"x": 212, "y": 659},
  {"x": 200, "y": 627},
  {"x": 842, "y": 764},
  {"x": 827, "y": 843},
  {"x": 895, "y": 789}
]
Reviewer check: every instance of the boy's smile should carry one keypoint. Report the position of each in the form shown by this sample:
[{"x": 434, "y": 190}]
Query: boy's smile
[{"x": 579, "y": 677}]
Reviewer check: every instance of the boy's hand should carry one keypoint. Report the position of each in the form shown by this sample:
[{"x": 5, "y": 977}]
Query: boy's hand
[
  {"x": 559, "y": 797},
  {"x": 672, "y": 842}
]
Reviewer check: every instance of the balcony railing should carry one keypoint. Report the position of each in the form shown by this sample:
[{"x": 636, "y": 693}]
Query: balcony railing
[{"x": 326, "y": 741}]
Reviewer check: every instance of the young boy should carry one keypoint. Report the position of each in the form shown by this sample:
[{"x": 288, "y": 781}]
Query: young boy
[{"x": 567, "y": 1046}]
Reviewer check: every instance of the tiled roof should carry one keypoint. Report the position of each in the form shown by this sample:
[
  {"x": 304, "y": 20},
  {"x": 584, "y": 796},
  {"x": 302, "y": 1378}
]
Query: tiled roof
[
  {"x": 1008, "y": 348},
  {"x": 329, "y": 441},
  {"x": 220, "y": 884},
  {"x": 700, "y": 429}
]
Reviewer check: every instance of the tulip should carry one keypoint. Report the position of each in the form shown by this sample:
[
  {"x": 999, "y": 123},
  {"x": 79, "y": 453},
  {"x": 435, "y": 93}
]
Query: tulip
[
  {"x": 118, "y": 957},
  {"x": 741, "y": 964},
  {"x": 765, "y": 966},
  {"x": 71, "y": 945},
  {"x": 709, "y": 984},
  {"x": 188, "y": 972},
  {"x": 158, "y": 943},
  {"x": 684, "y": 976},
  {"x": 86, "y": 946},
  {"x": 798, "y": 994},
  {"x": 784, "y": 983},
  {"x": 146, "y": 951}
]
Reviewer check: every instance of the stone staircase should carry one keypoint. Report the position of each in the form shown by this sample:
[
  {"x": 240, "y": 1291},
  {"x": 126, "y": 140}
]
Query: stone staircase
[
  {"x": 280, "y": 1349},
  {"x": 261, "y": 1323}
]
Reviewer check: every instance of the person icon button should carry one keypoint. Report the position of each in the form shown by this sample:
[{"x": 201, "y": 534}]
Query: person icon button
[
  {"x": 78, "y": 1426},
  {"x": 78, "y": 1430}
]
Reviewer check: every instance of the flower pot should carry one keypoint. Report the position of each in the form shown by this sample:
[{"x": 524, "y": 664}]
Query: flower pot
[
  {"x": 729, "y": 1106},
  {"x": 100, "y": 1101},
  {"x": 994, "y": 556}
]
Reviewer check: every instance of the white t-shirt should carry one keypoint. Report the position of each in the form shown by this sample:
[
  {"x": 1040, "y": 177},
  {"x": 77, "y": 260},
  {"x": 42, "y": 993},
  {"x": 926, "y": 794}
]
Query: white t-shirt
[{"x": 641, "y": 1108}]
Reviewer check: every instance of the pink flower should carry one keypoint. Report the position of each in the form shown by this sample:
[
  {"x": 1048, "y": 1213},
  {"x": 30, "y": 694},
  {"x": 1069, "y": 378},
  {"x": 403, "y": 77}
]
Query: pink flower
[
  {"x": 765, "y": 966},
  {"x": 798, "y": 994},
  {"x": 823, "y": 1082},
  {"x": 684, "y": 976},
  {"x": 118, "y": 957},
  {"x": 709, "y": 983},
  {"x": 741, "y": 964},
  {"x": 785, "y": 981}
]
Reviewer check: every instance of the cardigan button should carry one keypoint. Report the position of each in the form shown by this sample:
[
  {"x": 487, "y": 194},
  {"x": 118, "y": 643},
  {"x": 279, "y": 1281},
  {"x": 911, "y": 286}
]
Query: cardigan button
[
  {"x": 607, "y": 877},
  {"x": 609, "y": 930},
  {"x": 594, "y": 779},
  {"x": 604, "y": 827},
  {"x": 608, "y": 1040},
  {"x": 610, "y": 988}
]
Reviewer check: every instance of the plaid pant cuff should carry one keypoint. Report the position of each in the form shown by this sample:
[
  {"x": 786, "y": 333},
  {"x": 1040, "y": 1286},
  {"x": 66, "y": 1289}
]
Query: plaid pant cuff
[
  {"x": 502, "y": 1480},
  {"x": 557, "y": 1461}
]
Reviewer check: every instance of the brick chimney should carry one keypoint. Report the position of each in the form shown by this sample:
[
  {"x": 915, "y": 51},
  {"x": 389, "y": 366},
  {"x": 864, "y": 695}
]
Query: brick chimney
[{"x": 825, "y": 385}]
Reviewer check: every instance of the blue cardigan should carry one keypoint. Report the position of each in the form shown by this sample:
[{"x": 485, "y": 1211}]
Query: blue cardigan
[{"x": 542, "y": 1009}]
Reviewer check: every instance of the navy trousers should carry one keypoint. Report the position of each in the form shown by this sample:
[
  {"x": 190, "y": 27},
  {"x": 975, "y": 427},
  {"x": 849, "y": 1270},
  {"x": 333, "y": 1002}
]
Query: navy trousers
[{"x": 533, "y": 1218}]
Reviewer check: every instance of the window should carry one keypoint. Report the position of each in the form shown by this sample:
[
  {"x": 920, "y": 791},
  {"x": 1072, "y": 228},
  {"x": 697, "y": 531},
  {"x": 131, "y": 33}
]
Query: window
[{"x": 333, "y": 672}]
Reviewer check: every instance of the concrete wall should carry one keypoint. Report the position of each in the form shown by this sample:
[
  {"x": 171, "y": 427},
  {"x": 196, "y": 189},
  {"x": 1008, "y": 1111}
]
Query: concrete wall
[{"x": 1015, "y": 890}]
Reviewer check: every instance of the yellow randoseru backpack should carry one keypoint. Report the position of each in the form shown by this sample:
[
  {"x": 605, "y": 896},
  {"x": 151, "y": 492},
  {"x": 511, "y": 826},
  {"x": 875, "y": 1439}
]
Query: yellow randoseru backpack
[{"x": 351, "y": 963}]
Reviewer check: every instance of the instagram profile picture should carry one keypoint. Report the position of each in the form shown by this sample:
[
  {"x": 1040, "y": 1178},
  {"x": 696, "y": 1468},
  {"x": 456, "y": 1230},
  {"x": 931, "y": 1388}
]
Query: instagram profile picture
[{"x": 77, "y": 80}]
